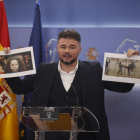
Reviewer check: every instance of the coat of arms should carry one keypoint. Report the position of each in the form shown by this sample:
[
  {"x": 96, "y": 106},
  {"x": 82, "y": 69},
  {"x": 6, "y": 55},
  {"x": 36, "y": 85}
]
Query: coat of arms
[
  {"x": 92, "y": 54},
  {"x": 4, "y": 99}
]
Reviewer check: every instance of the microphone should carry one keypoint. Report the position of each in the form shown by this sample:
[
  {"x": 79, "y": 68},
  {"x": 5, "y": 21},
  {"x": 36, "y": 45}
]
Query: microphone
[
  {"x": 77, "y": 101},
  {"x": 76, "y": 111},
  {"x": 76, "y": 114},
  {"x": 27, "y": 110}
]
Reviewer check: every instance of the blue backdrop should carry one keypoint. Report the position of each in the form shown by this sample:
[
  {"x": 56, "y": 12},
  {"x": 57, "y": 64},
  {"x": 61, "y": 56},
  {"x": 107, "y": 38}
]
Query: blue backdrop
[{"x": 122, "y": 112}]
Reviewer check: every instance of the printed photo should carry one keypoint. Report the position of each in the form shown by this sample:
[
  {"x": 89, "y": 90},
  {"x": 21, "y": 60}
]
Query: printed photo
[
  {"x": 18, "y": 62},
  {"x": 118, "y": 67}
]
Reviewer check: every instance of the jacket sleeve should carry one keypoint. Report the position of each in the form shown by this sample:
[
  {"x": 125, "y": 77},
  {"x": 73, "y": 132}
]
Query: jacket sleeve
[
  {"x": 19, "y": 86},
  {"x": 23, "y": 86}
]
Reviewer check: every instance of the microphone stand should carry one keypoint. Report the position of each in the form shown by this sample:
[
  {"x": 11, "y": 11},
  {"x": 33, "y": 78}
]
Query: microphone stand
[
  {"x": 76, "y": 110},
  {"x": 27, "y": 109},
  {"x": 74, "y": 119}
]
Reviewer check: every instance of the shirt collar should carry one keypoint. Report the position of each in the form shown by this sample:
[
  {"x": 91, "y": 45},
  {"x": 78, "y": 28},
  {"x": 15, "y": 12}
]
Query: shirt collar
[{"x": 61, "y": 71}]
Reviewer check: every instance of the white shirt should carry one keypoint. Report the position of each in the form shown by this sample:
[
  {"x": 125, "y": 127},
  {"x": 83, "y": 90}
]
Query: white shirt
[{"x": 67, "y": 78}]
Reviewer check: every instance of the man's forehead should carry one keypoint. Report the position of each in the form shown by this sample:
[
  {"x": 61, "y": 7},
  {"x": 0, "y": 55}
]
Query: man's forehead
[{"x": 67, "y": 41}]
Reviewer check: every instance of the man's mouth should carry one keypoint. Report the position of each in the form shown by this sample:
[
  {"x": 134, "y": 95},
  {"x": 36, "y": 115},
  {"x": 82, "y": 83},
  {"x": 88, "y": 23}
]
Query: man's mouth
[{"x": 67, "y": 56}]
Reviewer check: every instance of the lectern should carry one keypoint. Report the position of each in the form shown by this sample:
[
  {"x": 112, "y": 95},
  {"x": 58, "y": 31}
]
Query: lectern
[{"x": 58, "y": 119}]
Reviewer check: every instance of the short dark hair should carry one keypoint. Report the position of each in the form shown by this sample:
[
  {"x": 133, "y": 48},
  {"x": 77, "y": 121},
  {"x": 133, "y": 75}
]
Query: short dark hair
[{"x": 71, "y": 34}]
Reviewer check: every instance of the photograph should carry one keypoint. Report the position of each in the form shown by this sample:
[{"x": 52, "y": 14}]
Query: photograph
[
  {"x": 18, "y": 62},
  {"x": 118, "y": 67}
]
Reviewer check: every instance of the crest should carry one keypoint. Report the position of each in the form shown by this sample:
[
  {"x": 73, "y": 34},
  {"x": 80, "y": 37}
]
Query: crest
[
  {"x": 7, "y": 99},
  {"x": 92, "y": 54},
  {"x": 4, "y": 99}
]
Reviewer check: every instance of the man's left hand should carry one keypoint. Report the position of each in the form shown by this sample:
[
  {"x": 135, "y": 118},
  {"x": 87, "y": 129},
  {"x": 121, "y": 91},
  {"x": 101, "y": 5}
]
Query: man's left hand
[{"x": 132, "y": 52}]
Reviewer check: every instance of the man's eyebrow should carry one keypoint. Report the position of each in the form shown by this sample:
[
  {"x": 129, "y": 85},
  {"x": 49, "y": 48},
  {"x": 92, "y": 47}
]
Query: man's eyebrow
[
  {"x": 72, "y": 45},
  {"x": 63, "y": 45}
]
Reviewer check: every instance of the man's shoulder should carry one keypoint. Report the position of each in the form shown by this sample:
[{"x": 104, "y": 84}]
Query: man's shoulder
[
  {"x": 90, "y": 67},
  {"x": 87, "y": 63},
  {"x": 45, "y": 64}
]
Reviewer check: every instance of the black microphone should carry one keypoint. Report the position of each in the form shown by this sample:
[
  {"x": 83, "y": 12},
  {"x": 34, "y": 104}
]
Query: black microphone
[
  {"x": 27, "y": 110},
  {"x": 77, "y": 110},
  {"x": 77, "y": 101}
]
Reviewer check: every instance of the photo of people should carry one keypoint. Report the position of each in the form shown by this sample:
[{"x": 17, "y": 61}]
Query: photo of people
[
  {"x": 15, "y": 64},
  {"x": 19, "y": 62},
  {"x": 122, "y": 67},
  {"x": 117, "y": 67}
]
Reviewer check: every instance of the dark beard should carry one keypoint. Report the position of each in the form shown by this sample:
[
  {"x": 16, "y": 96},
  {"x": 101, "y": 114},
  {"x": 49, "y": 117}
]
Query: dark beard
[{"x": 68, "y": 63}]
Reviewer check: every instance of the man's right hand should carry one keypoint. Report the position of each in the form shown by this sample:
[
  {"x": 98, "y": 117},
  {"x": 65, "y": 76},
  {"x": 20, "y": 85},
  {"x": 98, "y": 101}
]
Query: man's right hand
[{"x": 7, "y": 50}]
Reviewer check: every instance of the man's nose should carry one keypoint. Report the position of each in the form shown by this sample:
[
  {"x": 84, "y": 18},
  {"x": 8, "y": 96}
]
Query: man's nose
[{"x": 67, "y": 49}]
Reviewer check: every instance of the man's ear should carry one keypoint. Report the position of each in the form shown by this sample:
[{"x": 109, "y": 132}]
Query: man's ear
[{"x": 80, "y": 48}]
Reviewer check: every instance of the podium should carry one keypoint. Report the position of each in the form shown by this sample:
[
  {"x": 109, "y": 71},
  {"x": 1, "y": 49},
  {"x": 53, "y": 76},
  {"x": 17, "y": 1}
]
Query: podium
[{"x": 58, "y": 119}]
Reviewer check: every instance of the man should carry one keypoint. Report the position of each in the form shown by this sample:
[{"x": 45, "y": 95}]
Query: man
[
  {"x": 107, "y": 65},
  {"x": 27, "y": 60},
  {"x": 57, "y": 79},
  {"x": 120, "y": 68},
  {"x": 131, "y": 67}
]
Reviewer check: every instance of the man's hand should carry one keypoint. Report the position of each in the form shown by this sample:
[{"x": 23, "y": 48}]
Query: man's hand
[
  {"x": 7, "y": 50},
  {"x": 132, "y": 52}
]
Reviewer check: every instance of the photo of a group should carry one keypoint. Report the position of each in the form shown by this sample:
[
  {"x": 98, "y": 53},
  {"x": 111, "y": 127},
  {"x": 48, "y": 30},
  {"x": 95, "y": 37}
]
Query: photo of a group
[
  {"x": 118, "y": 67},
  {"x": 18, "y": 62}
]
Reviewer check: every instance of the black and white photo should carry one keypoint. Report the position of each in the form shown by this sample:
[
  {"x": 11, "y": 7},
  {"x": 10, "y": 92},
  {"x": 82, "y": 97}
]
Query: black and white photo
[{"x": 118, "y": 67}]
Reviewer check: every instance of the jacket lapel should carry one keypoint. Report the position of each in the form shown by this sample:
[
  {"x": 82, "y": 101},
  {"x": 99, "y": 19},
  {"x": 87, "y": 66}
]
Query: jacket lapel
[
  {"x": 83, "y": 78},
  {"x": 49, "y": 80}
]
